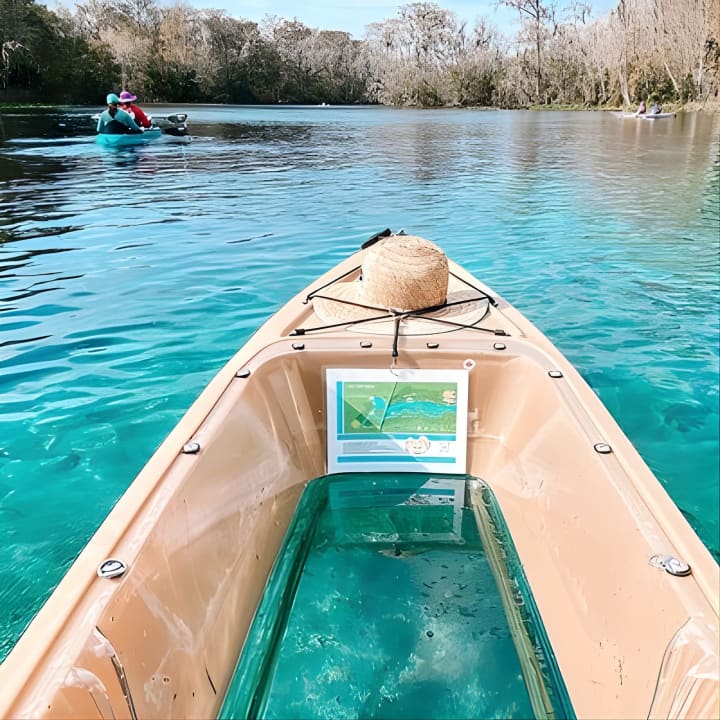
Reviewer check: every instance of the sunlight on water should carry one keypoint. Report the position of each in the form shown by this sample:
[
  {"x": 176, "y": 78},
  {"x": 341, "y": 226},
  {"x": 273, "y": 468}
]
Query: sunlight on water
[{"x": 128, "y": 277}]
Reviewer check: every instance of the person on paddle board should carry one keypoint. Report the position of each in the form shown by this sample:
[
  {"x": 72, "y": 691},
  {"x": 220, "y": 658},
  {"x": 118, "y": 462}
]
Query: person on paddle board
[
  {"x": 115, "y": 121},
  {"x": 127, "y": 103},
  {"x": 642, "y": 108}
]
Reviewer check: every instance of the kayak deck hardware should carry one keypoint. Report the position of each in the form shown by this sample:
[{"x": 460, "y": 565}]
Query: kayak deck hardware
[
  {"x": 111, "y": 568},
  {"x": 671, "y": 564}
]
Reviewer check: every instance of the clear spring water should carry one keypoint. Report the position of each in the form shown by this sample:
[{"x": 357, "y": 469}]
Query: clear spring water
[
  {"x": 128, "y": 278},
  {"x": 386, "y": 603}
]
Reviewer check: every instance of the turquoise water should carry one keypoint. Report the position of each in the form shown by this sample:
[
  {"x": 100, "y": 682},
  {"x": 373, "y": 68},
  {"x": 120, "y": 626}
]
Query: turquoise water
[
  {"x": 384, "y": 603},
  {"x": 128, "y": 278}
]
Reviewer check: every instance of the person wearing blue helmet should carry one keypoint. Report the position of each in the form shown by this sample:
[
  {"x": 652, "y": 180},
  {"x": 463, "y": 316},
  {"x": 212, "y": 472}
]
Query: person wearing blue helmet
[{"x": 114, "y": 120}]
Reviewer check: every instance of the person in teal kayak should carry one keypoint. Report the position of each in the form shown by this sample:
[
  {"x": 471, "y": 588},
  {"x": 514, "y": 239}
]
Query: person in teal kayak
[
  {"x": 115, "y": 121},
  {"x": 127, "y": 103}
]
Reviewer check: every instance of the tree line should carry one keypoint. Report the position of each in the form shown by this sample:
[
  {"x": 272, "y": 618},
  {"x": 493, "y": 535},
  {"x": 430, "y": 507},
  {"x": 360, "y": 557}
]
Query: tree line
[{"x": 424, "y": 56}]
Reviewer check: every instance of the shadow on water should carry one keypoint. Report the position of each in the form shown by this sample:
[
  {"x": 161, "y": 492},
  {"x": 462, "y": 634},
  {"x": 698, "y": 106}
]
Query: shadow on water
[
  {"x": 262, "y": 132},
  {"x": 43, "y": 123}
]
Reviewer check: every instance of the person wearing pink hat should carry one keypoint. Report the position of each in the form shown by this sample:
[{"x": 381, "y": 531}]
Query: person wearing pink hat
[
  {"x": 127, "y": 100},
  {"x": 115, "y": 121}
]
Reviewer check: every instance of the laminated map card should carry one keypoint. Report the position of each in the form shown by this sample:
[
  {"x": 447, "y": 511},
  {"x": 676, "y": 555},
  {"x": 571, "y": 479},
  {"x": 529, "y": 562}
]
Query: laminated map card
[{"x": 397, "y": 420}]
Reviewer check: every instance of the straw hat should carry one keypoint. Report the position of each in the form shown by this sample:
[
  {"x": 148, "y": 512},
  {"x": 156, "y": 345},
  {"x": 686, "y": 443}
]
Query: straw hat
[{"x": 402, "y": 274}]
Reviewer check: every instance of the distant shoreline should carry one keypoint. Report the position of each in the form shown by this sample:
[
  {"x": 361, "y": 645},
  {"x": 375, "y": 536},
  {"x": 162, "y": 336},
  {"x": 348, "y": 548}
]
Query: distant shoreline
[{"x": 712, "y": 106}]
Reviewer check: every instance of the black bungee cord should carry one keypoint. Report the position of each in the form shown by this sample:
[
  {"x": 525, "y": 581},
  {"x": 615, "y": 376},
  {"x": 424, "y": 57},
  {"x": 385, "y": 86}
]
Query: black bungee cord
[{"x": 398, "y": 315}]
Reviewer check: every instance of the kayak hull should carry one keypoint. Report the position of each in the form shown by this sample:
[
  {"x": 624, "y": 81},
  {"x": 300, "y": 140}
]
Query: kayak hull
[
  {"x": 129, "y": 139},
  {"x": 199, "y": 529},
  {"x": 648, "y": 116}
]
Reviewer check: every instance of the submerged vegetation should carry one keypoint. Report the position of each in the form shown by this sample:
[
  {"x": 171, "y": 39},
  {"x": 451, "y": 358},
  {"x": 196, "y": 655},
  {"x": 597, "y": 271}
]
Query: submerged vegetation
[{"x": 665, "y": 50}]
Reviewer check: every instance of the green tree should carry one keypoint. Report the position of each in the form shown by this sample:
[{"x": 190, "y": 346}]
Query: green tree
[{"x": 45, "y": 58}]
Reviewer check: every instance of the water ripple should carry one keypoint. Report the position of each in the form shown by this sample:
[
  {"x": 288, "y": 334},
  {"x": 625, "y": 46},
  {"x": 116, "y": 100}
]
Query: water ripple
[{"x": 128, "y": 278}]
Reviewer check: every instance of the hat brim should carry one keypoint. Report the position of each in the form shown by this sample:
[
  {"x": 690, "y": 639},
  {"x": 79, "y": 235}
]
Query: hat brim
[
  {"x": 132, "y": 98},
  {"x": 344, "y": 303}
]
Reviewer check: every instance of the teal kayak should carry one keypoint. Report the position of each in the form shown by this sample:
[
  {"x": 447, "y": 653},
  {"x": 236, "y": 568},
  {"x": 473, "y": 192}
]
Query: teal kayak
[{"x": 122, "y": 140}]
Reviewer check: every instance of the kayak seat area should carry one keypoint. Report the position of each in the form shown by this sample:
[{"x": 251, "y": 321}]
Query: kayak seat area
[
  {"x": 396, "y": 595},
  {"x": 115, "y": 127}
]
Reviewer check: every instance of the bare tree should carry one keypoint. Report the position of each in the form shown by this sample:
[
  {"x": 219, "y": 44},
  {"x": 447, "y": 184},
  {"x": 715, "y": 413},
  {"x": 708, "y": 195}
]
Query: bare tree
[
  {"x": 411, "y": 54},
  {"x": 536, "y": 17}
]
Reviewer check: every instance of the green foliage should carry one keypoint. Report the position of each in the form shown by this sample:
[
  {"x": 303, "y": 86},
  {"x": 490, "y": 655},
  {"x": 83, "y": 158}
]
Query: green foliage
[
  {"x": 474, "y": 88},
  {"x": 173, "y": 83},
  {"x": 50, "y": 61},
  {"x": 656, "y": 86},
  {"x": 78, "y": 73},
  {"x": 688, "y": 89}
]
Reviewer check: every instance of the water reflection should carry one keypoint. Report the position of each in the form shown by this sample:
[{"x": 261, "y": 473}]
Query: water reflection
[
  {"x": 258, "y": 132},
  {"x": 40, "y": 123}
]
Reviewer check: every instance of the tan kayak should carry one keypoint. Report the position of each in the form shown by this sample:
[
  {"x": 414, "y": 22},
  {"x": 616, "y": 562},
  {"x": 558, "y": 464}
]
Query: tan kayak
[{"x": 151, "y": 619}]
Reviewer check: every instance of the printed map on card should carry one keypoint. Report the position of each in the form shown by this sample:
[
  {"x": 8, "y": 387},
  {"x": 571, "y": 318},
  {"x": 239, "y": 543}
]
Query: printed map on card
[{"x": 397, "y": 420}]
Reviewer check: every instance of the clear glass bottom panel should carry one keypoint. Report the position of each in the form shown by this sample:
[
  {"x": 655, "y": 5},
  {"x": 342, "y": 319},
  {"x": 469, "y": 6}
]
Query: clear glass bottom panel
[{"x": 384, "y": 603}]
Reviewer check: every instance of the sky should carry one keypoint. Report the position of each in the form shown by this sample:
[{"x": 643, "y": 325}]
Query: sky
[{"x": 353, "y": 16}]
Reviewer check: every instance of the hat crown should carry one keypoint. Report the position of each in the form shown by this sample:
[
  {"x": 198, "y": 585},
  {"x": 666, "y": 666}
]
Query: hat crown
[
  {"x": 112, "y": 99},
  {"x": 404, "y": 272},
  {"x": 403, "y": 276},
  {"x": 126, "y": 96}
]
